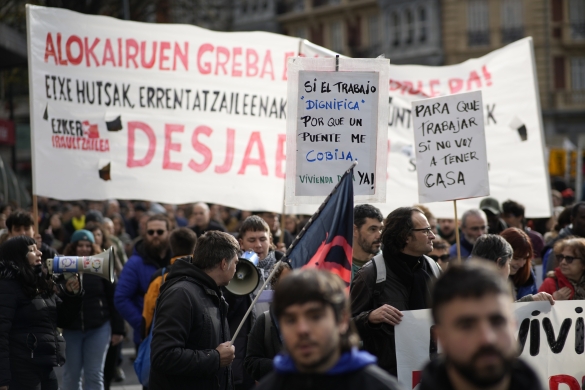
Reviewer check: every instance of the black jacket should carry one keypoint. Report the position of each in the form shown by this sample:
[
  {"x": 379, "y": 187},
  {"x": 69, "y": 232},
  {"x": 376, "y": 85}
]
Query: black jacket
[
  {"x": 28, "y": 326},
  {"x": 258, "y": 362},
  {"x": 378, "y": 339},
  {"x": 98, "y": 306},
  {"x": 367, "y": 378},
  {"x": 434, "y": 377},
  {"x": 190, "y": 323}
]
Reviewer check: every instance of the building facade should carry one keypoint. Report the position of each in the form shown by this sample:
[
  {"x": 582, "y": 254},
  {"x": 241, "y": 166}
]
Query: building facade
[{"x": 472, "y": 28}]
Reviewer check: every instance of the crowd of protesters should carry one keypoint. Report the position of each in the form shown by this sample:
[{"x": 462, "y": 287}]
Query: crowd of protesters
[{"x": 396, "y": 260}]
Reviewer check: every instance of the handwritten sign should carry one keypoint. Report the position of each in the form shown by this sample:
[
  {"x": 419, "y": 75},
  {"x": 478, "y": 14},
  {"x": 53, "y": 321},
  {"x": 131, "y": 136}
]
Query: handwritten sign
[
  {"x": 336, "y": 125},
  {"x": 336, "y": 121},
  {"x": 551, "y": 340},
  {"x": 450, "y": 147}
]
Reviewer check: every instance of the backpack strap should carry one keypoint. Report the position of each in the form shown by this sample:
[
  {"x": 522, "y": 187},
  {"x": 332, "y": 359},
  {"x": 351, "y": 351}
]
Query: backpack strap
[
  {"x": 380, "y": 265},
  {"x": 267, "y": 330},
  {"x": 434, "y": 266}
]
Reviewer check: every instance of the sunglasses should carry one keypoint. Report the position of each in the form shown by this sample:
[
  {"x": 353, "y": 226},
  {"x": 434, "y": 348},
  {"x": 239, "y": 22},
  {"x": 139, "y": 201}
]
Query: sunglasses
[
  {"x": 568, "y": 259},
  {"x": 159, "y": 232},
  {"x": 443, "y": 258}
]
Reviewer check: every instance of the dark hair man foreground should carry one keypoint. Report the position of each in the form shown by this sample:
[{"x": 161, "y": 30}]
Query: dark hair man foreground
[
  {"x": 314, "y": 317},
  {"x": 190, "y": 340},
  {"x": 475, "y": 325}
]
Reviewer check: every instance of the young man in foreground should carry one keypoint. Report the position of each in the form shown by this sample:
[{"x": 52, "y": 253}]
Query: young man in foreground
[{"x": 321, "y": 348}]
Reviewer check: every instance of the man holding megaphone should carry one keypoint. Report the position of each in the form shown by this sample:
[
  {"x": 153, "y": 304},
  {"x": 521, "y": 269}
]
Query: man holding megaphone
[{"x": 190, "y": 345}]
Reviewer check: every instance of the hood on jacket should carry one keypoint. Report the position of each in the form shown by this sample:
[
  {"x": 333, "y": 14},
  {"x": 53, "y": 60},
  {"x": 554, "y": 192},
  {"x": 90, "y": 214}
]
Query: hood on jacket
[
  {"x": 348, "y": 362},
  {"x": 182, "y": 268}
]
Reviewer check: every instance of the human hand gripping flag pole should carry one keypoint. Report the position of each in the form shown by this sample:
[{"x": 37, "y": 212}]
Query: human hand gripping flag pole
[{"x": 326, "y": 240}]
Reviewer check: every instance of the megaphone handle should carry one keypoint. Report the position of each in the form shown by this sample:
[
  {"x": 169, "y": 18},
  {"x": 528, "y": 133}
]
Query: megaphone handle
[{"x": 253, "y": 303}]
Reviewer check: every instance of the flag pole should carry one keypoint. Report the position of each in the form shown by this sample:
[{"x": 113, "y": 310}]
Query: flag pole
[
  {"x": 294, "y": 243},
  {"x": 457, "y": 239}
]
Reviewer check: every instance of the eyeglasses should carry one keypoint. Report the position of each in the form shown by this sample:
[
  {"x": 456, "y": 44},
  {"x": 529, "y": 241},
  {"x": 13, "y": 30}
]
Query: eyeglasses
[
  {"x": 568, "y": 259},
  {"x": 426, "y": 230},
  {"x": 443, "y": 258},
  {"x": 159, "y": 232}
]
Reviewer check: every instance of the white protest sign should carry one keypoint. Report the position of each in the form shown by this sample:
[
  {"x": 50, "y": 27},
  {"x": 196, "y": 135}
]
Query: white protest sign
[
  {"x": 450, "y": 147},
  {"x": 335, "y": 118},
  {"x": 551, "y": 339}
]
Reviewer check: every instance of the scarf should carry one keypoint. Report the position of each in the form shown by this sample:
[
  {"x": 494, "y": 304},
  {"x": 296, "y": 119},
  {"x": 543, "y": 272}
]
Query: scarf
[{"x": 413, "y": 273}]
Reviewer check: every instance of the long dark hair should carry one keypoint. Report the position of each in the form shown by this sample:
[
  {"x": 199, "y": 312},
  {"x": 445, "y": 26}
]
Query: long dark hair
[
  {"x": 522, "y": 250},
  {"x": 33, "y": 281}
]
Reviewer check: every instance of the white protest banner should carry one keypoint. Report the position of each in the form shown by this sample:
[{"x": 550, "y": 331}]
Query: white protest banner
[
  {"x": 450, "y": 147},
  {"x": 336, "y": 117},
  {"x": 178, "y": 113},
  {"x": 551, "y": 340}
]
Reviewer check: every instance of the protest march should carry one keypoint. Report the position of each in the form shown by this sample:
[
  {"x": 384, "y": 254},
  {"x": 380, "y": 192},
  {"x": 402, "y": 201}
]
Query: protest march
[{"x": 246, "y": 209}]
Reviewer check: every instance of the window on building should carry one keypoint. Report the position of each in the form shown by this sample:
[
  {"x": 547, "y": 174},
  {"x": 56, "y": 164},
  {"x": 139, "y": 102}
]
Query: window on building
[
  {"x": 559, "y": 72},
  {"x": 577, "y": 18},
  {"x": 409, "y": 27},
  {"x": 578, "y": 74},
  {"x": 478, "y": 31},
  {"x": 395, "y": 29},
  {"x": 336, "y": 36},
  {"x": 374, "y": 31},
  {"x": 512, "y": 27},
  {"x": 422, "y": 24}
]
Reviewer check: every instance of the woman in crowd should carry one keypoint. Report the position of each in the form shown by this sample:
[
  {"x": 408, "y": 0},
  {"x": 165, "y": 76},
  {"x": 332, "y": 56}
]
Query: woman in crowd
[
  {"x": 98, "y": 323},
  {"x": 494, "y": 248},
  {"x": 30, "y": 312},
  {"x": 521, "y": 273},
  {"x": 567, "y": 281},
  {"x": 264, "y": 340}
]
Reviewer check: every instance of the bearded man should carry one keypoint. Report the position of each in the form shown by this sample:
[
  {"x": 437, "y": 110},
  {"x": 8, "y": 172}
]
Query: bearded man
[{"x": 149, "y": 254}]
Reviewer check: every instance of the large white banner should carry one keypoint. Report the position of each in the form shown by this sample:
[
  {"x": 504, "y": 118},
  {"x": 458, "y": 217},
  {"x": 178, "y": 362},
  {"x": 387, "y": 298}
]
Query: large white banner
[
  {"x": 551, "y": 340},
  {"x": 177, "y": 113}
]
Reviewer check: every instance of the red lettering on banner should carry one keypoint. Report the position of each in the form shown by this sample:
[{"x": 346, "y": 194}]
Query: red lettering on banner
[
  {"x": 248, "y": 160},
  {"x": 416, "y": 376},
  {"x": 432, "y": 84},
  {"x": 131, "y": 56},
  {"x": 280, "y": 155},
  {"x": 183, "y": 56},
  {"x": 555, "y": 380},
  {"x": 108, "y": 54},
  {"x": 119, "y": 52},
  {"x": 147, "y": 64},
  {"x": 201, "y": 148},
  {"x": 163, "y": 57},
  {"x": 455, "y": 85},
  {"x": 132, "y": 127},
  {"x": 487, "y": 76},
  {"x": 89, "y": 52},
  {"x": 169, "y": 145},
  {"x": 59, "y": 55},
  {"x": 229, "y": 153},
  {"x": 221, "y": 59},
  {"x": 50, "y": 49},
  {"x": 286, "y": 55},
  {"x": 251, "y": 65},
  {"x": 205, "y": 67},
  {"x": 473, "y": 78},
  {"x": 236, "y": 72},
  {"x": 74, "y": 60},
  {"x": 267, "y": 67}
]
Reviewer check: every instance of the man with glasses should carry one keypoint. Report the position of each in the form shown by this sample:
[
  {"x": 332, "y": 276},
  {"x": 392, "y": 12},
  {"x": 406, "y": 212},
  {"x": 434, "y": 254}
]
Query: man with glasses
[
  {"x": 149, "y": 254},
  {"x": 473, "y": 225},
  {"x": 440, "y": 253},
  {"x": 397, "y": 279}
]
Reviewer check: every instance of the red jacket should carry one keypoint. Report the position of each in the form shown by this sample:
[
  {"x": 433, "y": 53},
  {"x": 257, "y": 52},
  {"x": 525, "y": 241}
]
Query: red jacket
[{"x": 555, "y": 283}]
